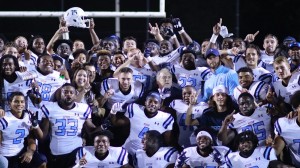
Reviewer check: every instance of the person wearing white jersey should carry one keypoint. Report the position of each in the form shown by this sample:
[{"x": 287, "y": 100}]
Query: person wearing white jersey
[
  {"x": 121, "y": 89},
  {"x": 181, "y": 106},
  {"x": 63, "y": 121},
  {"x": 202, "y": 155},
  {"x": 11, "y": 80},
  {"x": 250, "y": 117},
  {"x": 187, "y": 73},
  {"x": 249, "y": 155},
  {"x": 267, "y": 55},
  {"x": 141, "y": 67},
  {"x": 288, "y": 82},
  {"x": 251, "y": 58},
  {"x": 258, "y": 89},
  {"x": 102, "y": 154},
  {"x": 287, "y": 132},
  {"x": 18, "y": 128},
  {"x": 153, "y": 154},
  {"x": 143, "y": 119}
]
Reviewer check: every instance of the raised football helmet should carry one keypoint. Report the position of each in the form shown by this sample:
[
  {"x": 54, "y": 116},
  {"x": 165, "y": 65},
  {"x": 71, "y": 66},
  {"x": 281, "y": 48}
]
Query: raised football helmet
[{"x": 76, "y": 17}]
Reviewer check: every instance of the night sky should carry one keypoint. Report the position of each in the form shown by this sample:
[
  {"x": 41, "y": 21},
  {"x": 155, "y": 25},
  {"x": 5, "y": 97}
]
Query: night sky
[{"x": 278, "y": 17}]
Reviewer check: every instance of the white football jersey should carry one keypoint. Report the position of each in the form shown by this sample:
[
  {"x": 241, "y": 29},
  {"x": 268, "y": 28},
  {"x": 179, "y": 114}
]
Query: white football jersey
[
  {"x": 161, "y": 159},
  {"x": 288, "y": 129},
  {"x": 117, "y": 156},
  {"x": 266, "y": 61},
  {"x": 136, "y": 92},
  {"x": 18, "y": 85},
  {"x": 239, "y": 62},
  {"x": 14, "y": 131},
  {"x": 261, "y": 74},
  {"x": 287, "y": 91},
  {"x": 194, "y": 159},
  {"x": 186, "y": 136},
  {"x": 257, "y": 89},
  {"x": 140, "y": 124},
  {"x": 66, "y": 126},
  {"x": 191, "y": 77},
  {"x": 172, "y": 58},
  {"x": 260, "y": 158},
  {"x": 49, "y": 84},
  {"x": 32, "y": 61},
  {"x": 145, "y": 75},
  {"x": 259, "y": 122}
]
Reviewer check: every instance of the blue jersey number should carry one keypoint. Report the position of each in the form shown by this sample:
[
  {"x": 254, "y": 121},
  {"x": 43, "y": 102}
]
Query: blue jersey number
[
  {"x": 61, "y": 129},
  {"x": 182, "y": 123},
  {"x": 260, "y": 133},
  {"x": 45, "y": 91},
  {"x": 145, "y": 79},
  {"x": 144, "y": 130},
  {"x": 187, "y": 81},
  {"x": 21, "y": 133}
]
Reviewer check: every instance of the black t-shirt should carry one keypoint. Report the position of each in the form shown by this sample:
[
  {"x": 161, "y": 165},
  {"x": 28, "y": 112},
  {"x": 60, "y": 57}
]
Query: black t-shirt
[{"x": 212, "y": 121}]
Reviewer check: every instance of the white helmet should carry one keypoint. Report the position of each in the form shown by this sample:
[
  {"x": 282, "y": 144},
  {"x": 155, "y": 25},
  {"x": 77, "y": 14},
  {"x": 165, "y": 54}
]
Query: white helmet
[{"x": 76, "y": 17}]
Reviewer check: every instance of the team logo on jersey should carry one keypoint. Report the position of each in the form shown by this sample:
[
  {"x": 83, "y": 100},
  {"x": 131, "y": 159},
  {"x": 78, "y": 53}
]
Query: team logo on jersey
[{"x": 156, "y": 123}]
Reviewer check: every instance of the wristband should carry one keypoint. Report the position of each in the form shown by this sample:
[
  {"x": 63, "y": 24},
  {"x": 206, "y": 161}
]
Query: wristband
[
  {"x": 213, "y": 38},
  {"x": 181, "y": 31},
  {"x": 173, "y": 37}
]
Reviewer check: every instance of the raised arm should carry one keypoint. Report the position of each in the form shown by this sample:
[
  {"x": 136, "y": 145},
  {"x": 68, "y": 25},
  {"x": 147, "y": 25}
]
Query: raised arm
[
  {"x": 226, "y": 135},
  {"x": 95, "y": 38}
]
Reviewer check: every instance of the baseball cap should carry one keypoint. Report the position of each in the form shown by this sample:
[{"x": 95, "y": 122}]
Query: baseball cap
[
  {"x": 294, "y": 44},
  {"x": 289, "y": 38},
  {"x": 220, "y": 89},
  {"x": 211, "y": 51},
  {"x": 204, "y": 133}
]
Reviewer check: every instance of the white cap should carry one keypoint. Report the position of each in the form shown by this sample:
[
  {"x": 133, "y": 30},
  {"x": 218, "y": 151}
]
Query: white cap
[
  {"x": 204, "y": 133},
  {"x": 220, "y": 89}
]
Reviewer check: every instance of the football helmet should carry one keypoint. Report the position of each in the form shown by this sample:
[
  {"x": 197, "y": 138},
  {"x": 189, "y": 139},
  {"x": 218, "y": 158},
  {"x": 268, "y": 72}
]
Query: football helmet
[{"x": 76, "y": 17}]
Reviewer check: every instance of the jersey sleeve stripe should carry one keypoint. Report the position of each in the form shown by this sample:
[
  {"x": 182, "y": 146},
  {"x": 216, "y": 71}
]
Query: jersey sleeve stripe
[
  {"x": 105, "y": 85},
  {"x": 3, "y": 123},
  {"x": 231, "y": 125},
  {"x": 121, "y": 157},
  {"x": 168, "y": 122},
  {"x": 142, "y": 91},
  {"x": 130, "y": 110},
  {"x": 298, "y": 80},
  {"x": 265, "y": 76},
  {"x": 80, "y": 153},
  {"x": 277, "y": 127},
  {"x": 257, "y": 90},
  {"x": 267, "y": 153},
  {"x": 45, "y": 111},
  {"x": 204, "y": 73},
  {"x": 228, "y": 161},
  {"x": 168, "y": 155},
  {"x": 87, "y": 113}
]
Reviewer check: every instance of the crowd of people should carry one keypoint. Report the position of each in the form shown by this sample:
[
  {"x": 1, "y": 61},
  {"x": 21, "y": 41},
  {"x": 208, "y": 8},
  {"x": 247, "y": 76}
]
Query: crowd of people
[{"x": 222, "y": 102}]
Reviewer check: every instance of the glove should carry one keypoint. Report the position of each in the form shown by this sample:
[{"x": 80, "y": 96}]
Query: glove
[
  {"x": 224, "y": 32},
  {"x": 169, "y": 32},
  {"x": 116, "y": 108},
  {"x": 106, "y": 125},
  {"x": 177, "y": 24},
  {"x": 33, "y": 118},
  {"x": 181, "y": 160},
  {"x": 147, "y": 52}
]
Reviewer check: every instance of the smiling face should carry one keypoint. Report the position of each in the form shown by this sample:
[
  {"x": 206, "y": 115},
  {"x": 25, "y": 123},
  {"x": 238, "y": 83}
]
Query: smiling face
[
  {"x": 101, "y": 144},
  {"x": 8, "y": 67},
  {"x": 46, "y": 64},
  {"x": 220, "y": 99},
  {"x": 104, "y": 62},
  {"x": 245, "y": 79},
  {"x": 81, "y": 78},
  {"x": 251, "y": 57},
  {"x": 38, "y": 45},
  {"x": 203, "y": 142},
  {"x": 270, "y": 44},
  {"x": 152, "y": 104},
  {"x": 17, "y": 104}
]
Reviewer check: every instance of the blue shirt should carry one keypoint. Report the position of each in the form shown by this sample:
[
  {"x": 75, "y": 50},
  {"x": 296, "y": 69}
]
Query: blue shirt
[{"x": 222, "y": 76}]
